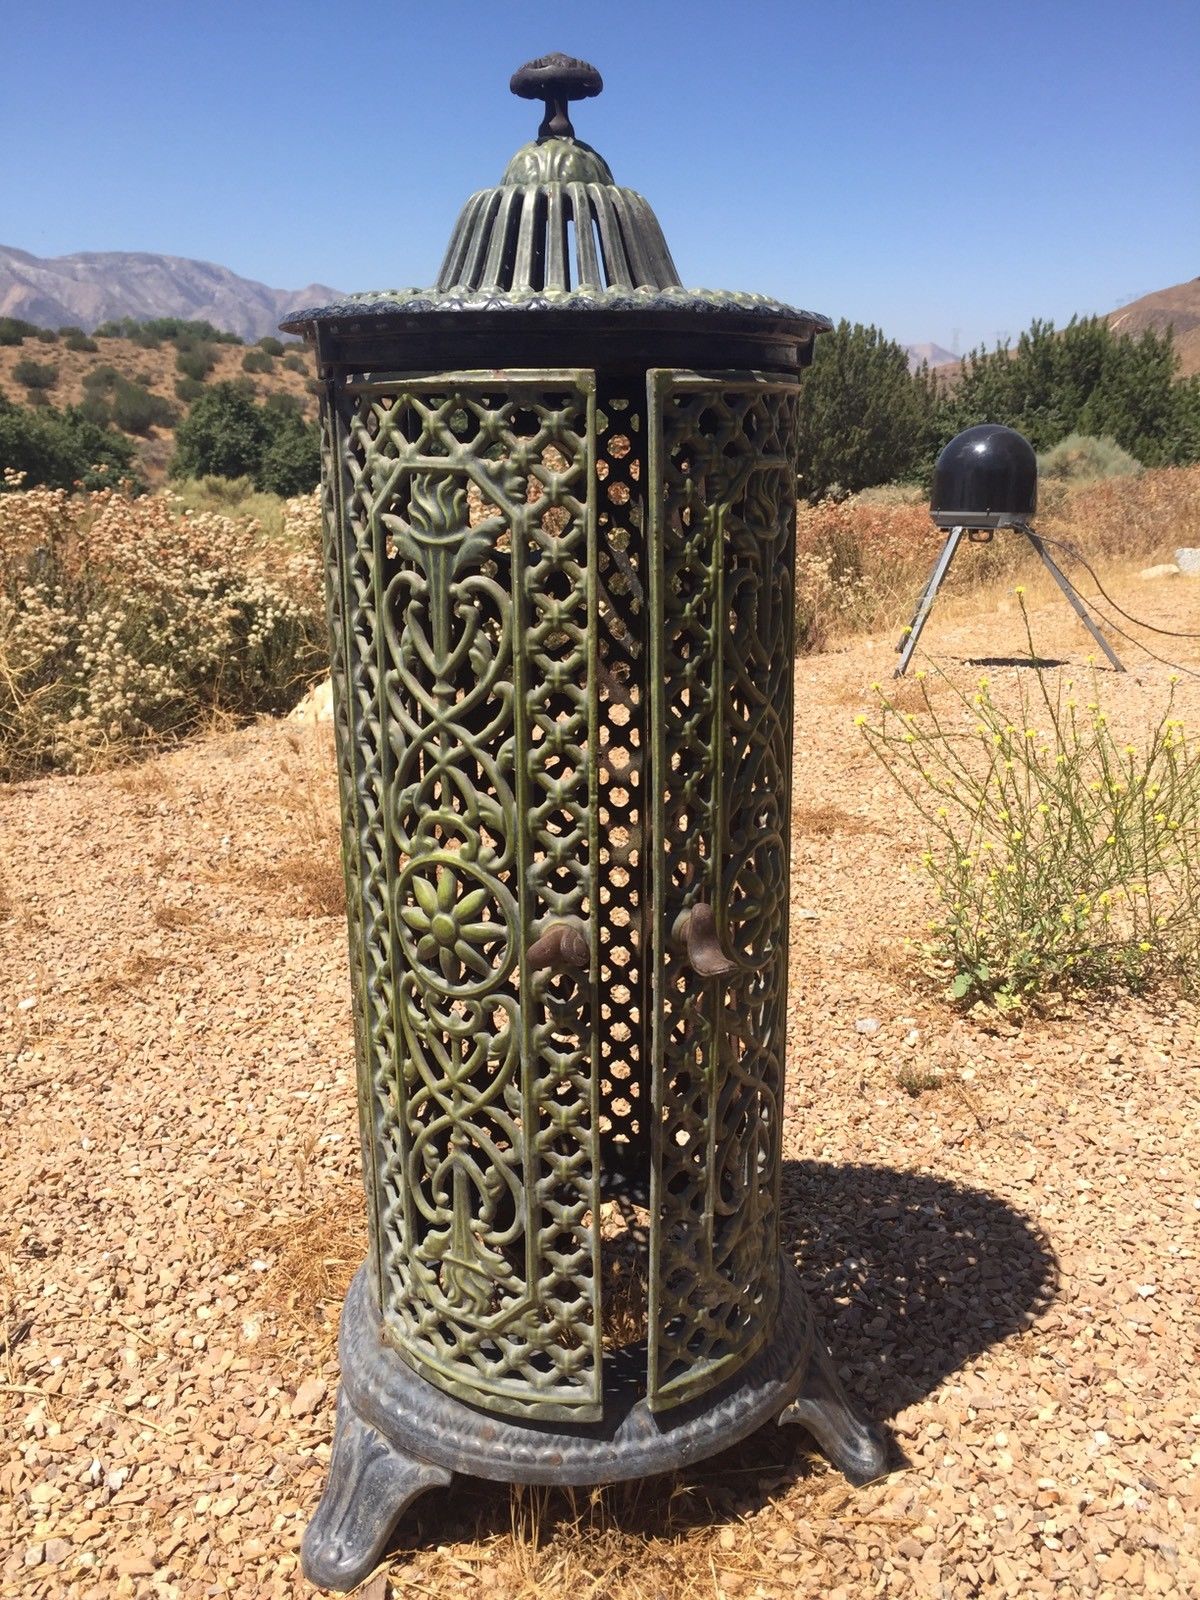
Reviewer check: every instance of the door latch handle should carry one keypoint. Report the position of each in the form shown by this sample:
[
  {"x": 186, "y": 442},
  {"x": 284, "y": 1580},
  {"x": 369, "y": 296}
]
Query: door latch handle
[
  {"x": 696, "y": 931},
  {"x": 562, "y": 945}
]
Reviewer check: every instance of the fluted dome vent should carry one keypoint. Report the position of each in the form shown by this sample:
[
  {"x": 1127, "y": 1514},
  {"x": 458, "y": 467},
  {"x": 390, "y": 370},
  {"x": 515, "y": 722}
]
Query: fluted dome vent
[
  {"x": 557, "y": 223},
  {"x": 557, "y": 235}
]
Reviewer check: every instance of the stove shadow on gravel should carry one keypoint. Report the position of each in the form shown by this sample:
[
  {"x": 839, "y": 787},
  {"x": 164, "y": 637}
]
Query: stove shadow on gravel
[{"x": 910, "y": 1277}]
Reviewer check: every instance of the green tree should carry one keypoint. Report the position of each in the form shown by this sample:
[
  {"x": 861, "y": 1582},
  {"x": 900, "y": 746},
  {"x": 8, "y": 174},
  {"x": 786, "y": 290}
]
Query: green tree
[
  {"x": 36, "y": 374},
  {"x": 224, "y": 433},
  {"x": 76, "y": 339},
  {"x": 291, "y": 462},
  {"x": 152, "y": 330},
  {"x": 1082, "y": 379},
  {"x": 62, "y": 449},
  {"x": 15, "y": 330},
  {"x": 136, "y": 410},
  {"x": 102, "y": 379},
  {"x": 864, "y": 417},
  {"x": 196, "y": 361}
]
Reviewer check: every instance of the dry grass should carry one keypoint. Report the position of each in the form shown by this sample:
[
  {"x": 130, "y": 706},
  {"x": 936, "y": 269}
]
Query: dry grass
[
  {"x": 624, "y": 1273},
  {"x": 310, "y": 1259},
  {"x": 149, "y": 779},
  {"x": 309, "y": 878},
  {"x": 176, "y": 919},
  {"x": 825, "y": 820},
  {"x": 313, "y": 885},
  {"x": 880, "y": 552},
  {"x": 134, "y": 972}
]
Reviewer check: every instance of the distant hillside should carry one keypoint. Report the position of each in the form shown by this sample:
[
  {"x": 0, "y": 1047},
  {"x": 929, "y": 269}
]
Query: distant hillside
[
  {"x": 1178, "y": 308},
  {"x": 156, "y": 370},
  {"x": 93, "y": 287},
  {"x": 936, "y": 355}
]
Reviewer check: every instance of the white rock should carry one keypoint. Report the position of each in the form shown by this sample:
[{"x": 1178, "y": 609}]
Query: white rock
[
  {"x": 1189, "y": 561},
  {"x": 867, "y": 1025},
  {"x": 317, "y": 705}
]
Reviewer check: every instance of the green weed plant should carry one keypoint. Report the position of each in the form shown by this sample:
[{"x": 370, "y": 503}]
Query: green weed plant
[{"x": 1062, "y": 858}]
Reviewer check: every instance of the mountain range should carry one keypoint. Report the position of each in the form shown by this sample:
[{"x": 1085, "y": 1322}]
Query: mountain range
[
  {"x": 936, "y": 354},
  {"x": 1177, "y": 307},
  {"x": 96, "y": 286},
  {"x": 92, "y": 287}
]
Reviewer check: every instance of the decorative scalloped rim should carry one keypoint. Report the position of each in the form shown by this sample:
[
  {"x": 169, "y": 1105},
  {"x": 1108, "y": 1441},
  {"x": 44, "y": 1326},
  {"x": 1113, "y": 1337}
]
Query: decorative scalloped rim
[{"x": 411, "y": 302}]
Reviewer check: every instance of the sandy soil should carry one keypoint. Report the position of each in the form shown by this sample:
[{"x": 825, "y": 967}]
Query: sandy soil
[{"x": 1004, "y": 1263}]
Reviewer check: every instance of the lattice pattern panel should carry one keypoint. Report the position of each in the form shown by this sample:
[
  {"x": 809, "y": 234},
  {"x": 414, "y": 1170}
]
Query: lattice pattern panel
[
  {"x": 351, "y": 654},
  {"x": 466, "y": 569},
  {"x": 722, "y": 529},
  {"x": 623, "y": 660}
]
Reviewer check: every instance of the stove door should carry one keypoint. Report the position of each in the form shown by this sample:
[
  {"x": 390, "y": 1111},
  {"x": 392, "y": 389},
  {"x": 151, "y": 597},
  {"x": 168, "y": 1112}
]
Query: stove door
[
  {"x": 462, "y": 553},
  {"x": 721, "y": 544}
]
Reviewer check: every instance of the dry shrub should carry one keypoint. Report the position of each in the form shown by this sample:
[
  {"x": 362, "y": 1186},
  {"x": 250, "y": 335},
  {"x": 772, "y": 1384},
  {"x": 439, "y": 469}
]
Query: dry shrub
[
  {"x": 1063, "y": 858},
  {"x": 1137, "y": 518},
  {"x": 125, "y": 623},
  {"x": 871, "y": 556}
]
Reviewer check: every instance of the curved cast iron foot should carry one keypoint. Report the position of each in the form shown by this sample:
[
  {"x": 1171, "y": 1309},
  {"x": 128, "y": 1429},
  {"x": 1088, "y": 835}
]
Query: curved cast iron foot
[
  {"x": 858, "y": 1449},
  {"x": 370, "y": 1484}
]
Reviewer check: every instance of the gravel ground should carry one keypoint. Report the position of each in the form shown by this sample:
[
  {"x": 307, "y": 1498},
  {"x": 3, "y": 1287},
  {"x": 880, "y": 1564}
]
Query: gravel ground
[{"x": 1004, "y": 1261}]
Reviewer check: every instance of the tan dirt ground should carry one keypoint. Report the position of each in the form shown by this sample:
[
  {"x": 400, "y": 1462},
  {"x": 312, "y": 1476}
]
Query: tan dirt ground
[{"x": 1004, "y": 1264}]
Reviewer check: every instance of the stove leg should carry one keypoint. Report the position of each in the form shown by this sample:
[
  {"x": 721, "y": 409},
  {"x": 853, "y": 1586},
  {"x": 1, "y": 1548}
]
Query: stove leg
[
  {"x": 856, "y": 1448},
  {"x": 371, "y": 1482}
]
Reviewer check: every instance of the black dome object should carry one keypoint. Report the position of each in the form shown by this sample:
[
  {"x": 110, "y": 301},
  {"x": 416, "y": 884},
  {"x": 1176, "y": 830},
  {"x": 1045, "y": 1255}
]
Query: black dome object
[{"x": 986, "y": 477}]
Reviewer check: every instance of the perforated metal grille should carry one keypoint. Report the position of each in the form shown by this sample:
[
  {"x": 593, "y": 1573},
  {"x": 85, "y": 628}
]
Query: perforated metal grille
[
  {"x": 562, "y": 661},
  {"x": 623, "y": 658},
  {"x": 722, "y": 541},
  {"x": 467, "y": 646}
]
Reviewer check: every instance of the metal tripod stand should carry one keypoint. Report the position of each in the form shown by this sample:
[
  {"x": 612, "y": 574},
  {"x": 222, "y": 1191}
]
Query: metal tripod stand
[{"x": 911, "y": 634}]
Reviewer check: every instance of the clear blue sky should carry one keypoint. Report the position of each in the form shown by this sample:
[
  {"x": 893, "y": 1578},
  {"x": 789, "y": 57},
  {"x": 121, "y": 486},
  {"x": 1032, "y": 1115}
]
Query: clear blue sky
[{"x": 945, "y": 170}]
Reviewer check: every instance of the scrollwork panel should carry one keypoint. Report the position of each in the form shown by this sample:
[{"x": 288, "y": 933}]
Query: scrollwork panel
[
  {"x": 722, "y": 532},
  {"x": 468, "y": 527}
]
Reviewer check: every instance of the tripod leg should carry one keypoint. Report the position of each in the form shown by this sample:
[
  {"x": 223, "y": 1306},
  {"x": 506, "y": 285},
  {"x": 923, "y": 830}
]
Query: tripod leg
[
  {"x": 1077, "y": 605},
  {"x": 908, "y": 640}
]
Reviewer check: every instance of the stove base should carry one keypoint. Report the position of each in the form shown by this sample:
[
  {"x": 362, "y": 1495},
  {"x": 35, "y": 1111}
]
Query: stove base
[{"x": 397, "y": 1435}]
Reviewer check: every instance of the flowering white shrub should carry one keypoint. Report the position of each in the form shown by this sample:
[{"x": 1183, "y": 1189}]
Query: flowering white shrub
[{"x": 124, "y": 622}]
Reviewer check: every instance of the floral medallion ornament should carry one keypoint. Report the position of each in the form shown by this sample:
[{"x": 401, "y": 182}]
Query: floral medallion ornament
[{"x": 453, "y": 927}]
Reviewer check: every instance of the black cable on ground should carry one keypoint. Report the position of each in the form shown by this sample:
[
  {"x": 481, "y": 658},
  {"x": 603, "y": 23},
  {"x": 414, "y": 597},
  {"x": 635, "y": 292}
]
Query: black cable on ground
[{"x": 1076, "y": 555}]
